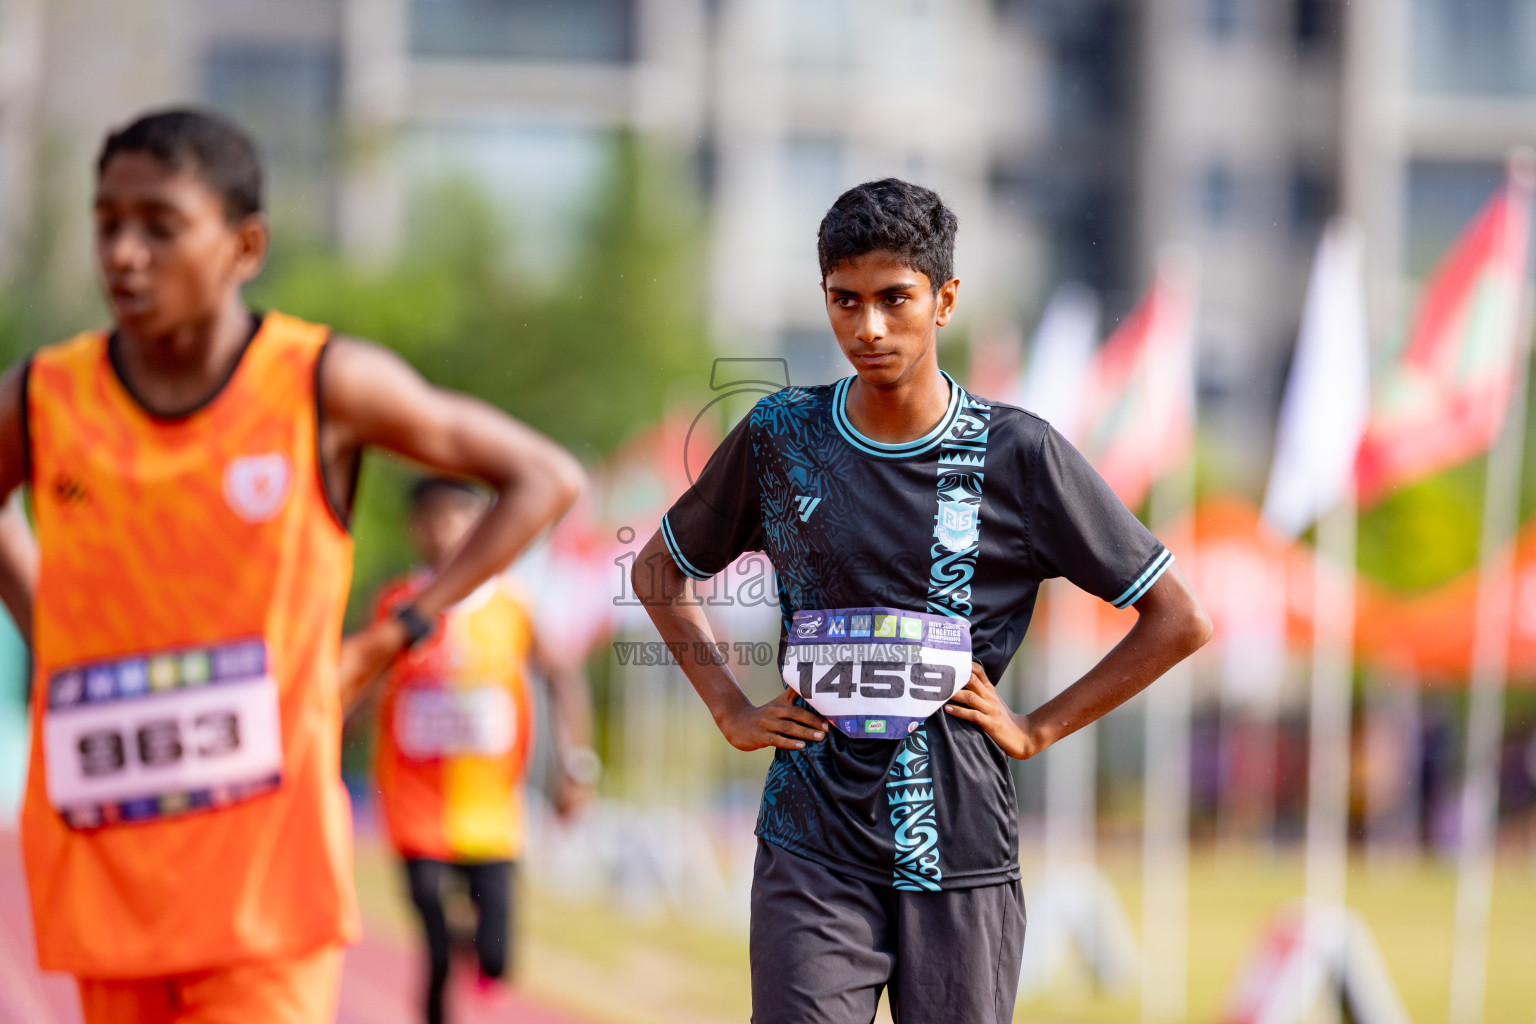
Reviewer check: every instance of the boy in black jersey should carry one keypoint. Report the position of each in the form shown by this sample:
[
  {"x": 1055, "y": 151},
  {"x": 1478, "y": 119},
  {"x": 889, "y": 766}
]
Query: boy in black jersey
[{"x": 910, "y": 524}]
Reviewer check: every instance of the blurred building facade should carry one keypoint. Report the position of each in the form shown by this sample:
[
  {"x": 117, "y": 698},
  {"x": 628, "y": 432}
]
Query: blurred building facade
[{"x": 1075, "y": 137}]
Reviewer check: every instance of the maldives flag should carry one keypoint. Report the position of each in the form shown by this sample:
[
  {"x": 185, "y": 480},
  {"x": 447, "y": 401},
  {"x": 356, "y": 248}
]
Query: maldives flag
[
  {"x": 1140, "y": 411},
  {"x": 1443, "y": 399}
]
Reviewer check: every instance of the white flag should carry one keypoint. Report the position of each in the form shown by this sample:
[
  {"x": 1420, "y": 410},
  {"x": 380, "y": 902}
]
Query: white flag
[
  {"x": 1327, "y": 398},
  {"x": 1055, "y": 381}
]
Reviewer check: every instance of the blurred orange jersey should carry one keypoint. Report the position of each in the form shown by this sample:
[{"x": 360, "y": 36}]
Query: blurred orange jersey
[
  {"x": 455, "y": 727},
  {"x": 184, "y": 806}
]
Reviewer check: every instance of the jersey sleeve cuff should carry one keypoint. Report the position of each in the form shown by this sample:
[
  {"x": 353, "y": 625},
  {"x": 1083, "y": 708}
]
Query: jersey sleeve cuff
[
  {"x": 1143, "y": 583},
  {"x": 688, "y": 568}
]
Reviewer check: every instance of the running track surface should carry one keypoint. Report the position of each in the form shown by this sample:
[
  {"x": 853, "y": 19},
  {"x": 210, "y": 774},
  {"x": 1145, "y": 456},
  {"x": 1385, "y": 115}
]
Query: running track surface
[{"x": 379, "y": 982}]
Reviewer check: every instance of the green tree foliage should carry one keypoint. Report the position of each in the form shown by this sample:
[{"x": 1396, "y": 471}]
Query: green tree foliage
[
  {"x": 587, "y": 359},
  {"x": 587, "y": 356}
]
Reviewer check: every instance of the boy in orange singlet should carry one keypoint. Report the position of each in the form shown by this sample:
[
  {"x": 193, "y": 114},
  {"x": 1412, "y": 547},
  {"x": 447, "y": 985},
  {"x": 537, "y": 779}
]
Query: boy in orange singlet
[
  {"x": 186, "y": 834},
  {"x": 455, "y": 727}
]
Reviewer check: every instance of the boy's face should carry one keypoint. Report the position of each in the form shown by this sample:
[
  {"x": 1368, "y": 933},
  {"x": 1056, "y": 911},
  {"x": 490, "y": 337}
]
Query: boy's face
[
  {"x": 168, "y": 255},
  {"x": 441, "y": 521},
  {"x": 886, "y": 315}
]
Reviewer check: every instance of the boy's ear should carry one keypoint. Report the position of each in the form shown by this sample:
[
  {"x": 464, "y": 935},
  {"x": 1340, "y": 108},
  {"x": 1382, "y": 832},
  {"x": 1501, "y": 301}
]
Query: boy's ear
[
  {"x": 944, "y": 307},
  {"x": 253, "y": 236}
]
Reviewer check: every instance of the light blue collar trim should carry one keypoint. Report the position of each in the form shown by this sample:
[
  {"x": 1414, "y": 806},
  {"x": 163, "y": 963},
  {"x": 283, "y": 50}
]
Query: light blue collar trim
[{"x": 880, "y": 449}]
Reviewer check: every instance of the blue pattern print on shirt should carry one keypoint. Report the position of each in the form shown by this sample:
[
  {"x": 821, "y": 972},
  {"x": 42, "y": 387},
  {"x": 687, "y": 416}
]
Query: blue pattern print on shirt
[{"x": 957, "y": 542}]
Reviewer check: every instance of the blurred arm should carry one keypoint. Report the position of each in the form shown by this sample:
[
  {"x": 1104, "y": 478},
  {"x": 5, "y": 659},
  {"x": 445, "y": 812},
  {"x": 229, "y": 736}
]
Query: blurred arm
[
  {"x": 1170, "y": 626},
  {"x": 372, "y": 397},
  {"x": 570, "y": 704},
  {"x": 659, "y": 584},
  {"x": 18, "y": 549}
]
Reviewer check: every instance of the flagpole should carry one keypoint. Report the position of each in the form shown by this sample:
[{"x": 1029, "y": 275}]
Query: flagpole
[
  {"x": 1165, "y": 810},
  {"x": 1485, "y": 714},
  {"x": 1165, "y": 851},
  {"x": 1330, "y": 712}
]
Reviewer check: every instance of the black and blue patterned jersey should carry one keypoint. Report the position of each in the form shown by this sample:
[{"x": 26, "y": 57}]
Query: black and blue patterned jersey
[{"x": 965, "y": 521}]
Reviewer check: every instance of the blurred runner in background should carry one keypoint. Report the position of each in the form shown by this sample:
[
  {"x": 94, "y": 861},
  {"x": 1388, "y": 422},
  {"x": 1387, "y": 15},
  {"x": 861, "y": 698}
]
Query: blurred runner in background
[
  {"x": 186, "y": 833},
  {"x": 455, "y": 730}
]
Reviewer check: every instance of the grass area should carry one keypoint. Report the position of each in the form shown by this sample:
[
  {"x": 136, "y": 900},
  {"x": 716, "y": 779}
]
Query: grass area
[
  {"x": 614, "y": 969},
  {"x": 1409, "y": 907}
]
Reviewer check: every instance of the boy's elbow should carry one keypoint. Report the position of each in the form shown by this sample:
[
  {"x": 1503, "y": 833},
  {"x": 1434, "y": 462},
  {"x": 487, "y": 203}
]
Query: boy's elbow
[
  {"x": 1197, "y": 628},
  {"x": 570, "y": 479},
  {"x": 563, "y": 477}
]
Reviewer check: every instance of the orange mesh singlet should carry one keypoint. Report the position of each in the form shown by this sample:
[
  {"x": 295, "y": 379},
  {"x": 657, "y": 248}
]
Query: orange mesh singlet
[
  {"x": 184, "y": 806},
  {"x": 455, "y": 725}
]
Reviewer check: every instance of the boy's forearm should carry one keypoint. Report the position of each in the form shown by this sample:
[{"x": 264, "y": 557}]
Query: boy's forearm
[
  {"x": 1170, "y": 628},
  {"x": 661, "y": 587},
  {"x": 684, "y": 628},
  {"x": 521, "y": 512},
  {"x": 571, "y": 706}
]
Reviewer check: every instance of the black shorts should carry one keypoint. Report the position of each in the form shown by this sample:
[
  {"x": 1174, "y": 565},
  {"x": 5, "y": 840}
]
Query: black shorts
[{"x": 824, "y": 945}]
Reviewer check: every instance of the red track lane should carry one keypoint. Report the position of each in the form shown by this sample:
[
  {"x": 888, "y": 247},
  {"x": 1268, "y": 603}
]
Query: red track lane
[{"x": 379, "y": 983}]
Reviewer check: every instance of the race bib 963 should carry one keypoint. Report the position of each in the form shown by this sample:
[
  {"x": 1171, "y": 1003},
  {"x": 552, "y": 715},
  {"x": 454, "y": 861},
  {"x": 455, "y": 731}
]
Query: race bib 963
[
  {"x": 876, "y": 672},
  {"x": 161, "y": 733}
]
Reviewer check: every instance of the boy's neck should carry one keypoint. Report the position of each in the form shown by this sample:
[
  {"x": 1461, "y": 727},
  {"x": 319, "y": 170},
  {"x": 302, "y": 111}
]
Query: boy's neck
[
  {"x": 183, "y": 367},
  {"x": 903, "y": 410}
]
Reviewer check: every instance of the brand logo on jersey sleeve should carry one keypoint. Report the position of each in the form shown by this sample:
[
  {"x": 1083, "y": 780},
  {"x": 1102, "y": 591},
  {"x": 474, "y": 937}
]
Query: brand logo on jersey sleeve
[
  {"x": 957, "y": 528},
  {"x": 256, "y": 486},
  {"x": 807, "y": 506}
]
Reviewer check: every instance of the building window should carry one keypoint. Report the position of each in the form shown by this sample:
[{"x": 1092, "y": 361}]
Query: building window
[
  {"x": 1442, "y": 198},
  {"x": 1307, "y": 202},
  {"x": 1222, "y": 18},
  {"x": 575, "y": 30},
  {"x": 288, "y": 99},
  {"x": 1474, "y": 46},
  {"x": 286, "y": 96},
  {"x": 1093, "y": 48},
  {"x": 1218, "y": 195},
  {"x": 1312, "y": 23},
  {"x": 537, "y": 179}
]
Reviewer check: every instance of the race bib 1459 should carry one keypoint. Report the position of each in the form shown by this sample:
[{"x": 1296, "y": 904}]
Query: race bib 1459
[
  {"x": 162, "y": 733},
  {"x": 876, "y": 672}
]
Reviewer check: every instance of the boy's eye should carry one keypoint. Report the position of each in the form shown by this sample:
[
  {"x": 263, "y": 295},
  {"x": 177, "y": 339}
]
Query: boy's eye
[
  {"x": 846, "y": 301},
  {"x": 895, "y": 300}
]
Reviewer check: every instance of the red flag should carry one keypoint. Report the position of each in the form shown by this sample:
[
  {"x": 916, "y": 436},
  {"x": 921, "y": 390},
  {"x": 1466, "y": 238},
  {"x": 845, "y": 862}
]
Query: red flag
[
  {"x": 1140, "y": 414},
  {"x": 1444, "y": 398}
]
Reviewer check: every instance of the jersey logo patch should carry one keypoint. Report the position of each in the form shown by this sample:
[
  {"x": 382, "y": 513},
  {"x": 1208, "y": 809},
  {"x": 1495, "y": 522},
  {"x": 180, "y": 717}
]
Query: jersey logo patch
[
  {"x": 957, "y": 528},
  {"x": 256, "y": 486},
  {"x": 807, "y": 506}
]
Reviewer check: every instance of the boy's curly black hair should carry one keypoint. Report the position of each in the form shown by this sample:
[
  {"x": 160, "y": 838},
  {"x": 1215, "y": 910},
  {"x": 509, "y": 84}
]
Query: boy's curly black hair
[{"x": 895, "y": 215}]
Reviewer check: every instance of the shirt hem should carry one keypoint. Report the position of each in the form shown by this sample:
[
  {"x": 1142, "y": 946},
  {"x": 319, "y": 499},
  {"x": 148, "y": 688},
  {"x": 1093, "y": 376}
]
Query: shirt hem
[{"x": 975, "y": 880}]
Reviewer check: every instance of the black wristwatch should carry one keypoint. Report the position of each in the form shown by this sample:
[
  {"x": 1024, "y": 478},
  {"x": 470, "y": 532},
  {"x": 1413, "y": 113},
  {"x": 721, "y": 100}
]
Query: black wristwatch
[{"x": 416, "y": 627}]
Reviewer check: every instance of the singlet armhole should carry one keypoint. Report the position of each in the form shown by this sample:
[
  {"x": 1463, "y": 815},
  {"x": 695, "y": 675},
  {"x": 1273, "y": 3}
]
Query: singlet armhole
[
  {"x": 25, "y": 414},
  {"x": 342, "y": 515}
]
